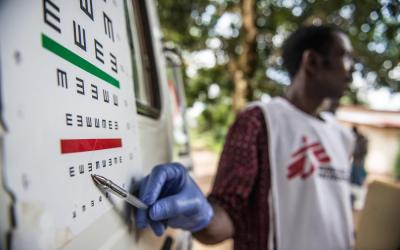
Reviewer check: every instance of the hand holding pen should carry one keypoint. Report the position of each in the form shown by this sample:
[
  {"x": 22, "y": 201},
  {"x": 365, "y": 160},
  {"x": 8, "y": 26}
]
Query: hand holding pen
[
  {"x": 108, "y": 185},
  {"x": 171, "y": 196}
]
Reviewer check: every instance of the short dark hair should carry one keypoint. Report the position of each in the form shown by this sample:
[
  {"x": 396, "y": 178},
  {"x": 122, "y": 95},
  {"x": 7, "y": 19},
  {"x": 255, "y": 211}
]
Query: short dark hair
[{"x": 318, "y": 38}]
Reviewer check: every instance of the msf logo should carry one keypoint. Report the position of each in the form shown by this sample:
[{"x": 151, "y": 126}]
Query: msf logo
[{"x": 307, "y": 159}]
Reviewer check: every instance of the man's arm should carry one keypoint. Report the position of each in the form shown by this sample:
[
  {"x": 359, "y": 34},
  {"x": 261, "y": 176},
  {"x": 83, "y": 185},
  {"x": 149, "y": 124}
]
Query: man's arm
[
  {"x": 219, "y": 229},
  {"x": 237, "y": 171}
]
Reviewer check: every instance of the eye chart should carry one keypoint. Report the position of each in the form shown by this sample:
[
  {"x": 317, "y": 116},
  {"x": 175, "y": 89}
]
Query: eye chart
[{"x": 69, "y": 109}]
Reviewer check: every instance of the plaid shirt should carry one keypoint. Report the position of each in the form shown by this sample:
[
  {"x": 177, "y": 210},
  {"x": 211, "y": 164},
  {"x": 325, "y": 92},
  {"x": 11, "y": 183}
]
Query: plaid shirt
[{"x": 242, "y": 183}]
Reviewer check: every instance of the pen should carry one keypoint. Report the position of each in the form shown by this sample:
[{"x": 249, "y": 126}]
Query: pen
[{"x": 108, "y": 185}]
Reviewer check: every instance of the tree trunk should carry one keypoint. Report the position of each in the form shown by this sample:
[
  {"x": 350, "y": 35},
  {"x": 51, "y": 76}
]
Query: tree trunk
[
  {"x": 240, "y": 86},
  {"x": 242, "y": 68}
]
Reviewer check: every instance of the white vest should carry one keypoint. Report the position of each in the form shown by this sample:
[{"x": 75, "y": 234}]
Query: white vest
[{"x": 310, "y": 168}]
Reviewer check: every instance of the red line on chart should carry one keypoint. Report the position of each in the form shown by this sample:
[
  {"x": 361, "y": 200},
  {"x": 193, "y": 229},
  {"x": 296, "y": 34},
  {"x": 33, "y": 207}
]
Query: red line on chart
[{"x": 84, "y": 145}]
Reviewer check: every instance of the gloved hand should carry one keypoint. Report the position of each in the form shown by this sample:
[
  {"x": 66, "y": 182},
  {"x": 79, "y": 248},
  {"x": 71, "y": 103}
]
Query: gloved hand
[{"x": 173, "y": 199}]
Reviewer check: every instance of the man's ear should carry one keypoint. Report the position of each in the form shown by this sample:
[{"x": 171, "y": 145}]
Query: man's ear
[{"x": 311, "y": 61}]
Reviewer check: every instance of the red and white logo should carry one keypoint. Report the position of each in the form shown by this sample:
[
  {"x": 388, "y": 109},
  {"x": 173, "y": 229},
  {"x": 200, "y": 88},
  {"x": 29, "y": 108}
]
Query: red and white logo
[{"x": 307, "y": 159}]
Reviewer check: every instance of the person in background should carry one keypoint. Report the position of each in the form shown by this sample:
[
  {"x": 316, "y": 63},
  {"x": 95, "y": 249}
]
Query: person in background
[
  {"x": 358, "y": 173},
  {"x": 282, "y": 179}
]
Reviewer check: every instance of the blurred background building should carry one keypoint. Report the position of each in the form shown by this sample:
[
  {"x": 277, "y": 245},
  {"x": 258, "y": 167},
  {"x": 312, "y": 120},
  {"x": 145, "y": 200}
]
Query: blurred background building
[{"x": 382, "y": 128}]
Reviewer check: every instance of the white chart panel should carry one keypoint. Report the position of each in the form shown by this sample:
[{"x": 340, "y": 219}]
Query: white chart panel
[{"x": 69, "y": 109}]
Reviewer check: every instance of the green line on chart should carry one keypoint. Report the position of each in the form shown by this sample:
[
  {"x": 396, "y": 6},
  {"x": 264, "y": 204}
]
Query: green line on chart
[{"x": 78, "y": 61}]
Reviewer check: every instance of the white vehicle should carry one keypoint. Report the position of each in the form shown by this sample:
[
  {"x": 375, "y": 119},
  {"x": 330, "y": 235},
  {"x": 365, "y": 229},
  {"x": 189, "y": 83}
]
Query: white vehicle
[
  {"x": 84, "y": 91},
  {"x": 182, "y": 148}
]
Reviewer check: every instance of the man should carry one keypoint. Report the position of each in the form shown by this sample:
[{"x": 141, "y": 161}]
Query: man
[{"x": 282, "y": 181}]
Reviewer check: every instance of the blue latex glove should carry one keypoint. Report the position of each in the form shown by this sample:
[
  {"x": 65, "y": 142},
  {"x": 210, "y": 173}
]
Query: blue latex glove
[{"x": 173, "y": 199}]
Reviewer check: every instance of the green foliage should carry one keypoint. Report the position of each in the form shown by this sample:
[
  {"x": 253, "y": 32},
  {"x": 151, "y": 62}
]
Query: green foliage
[
  {"x": 206, "y": 140},
  {"x": 197, "y": 89},
  {"x": 373, "y": 27},
  {"x": 397, "y": 166},
  {"x": 217, "y": 115}
]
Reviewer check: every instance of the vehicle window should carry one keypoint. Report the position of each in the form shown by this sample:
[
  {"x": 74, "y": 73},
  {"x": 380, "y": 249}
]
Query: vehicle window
[
  {"x": 175, "y": 86},
  {"x": 147, "y": 90}
]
